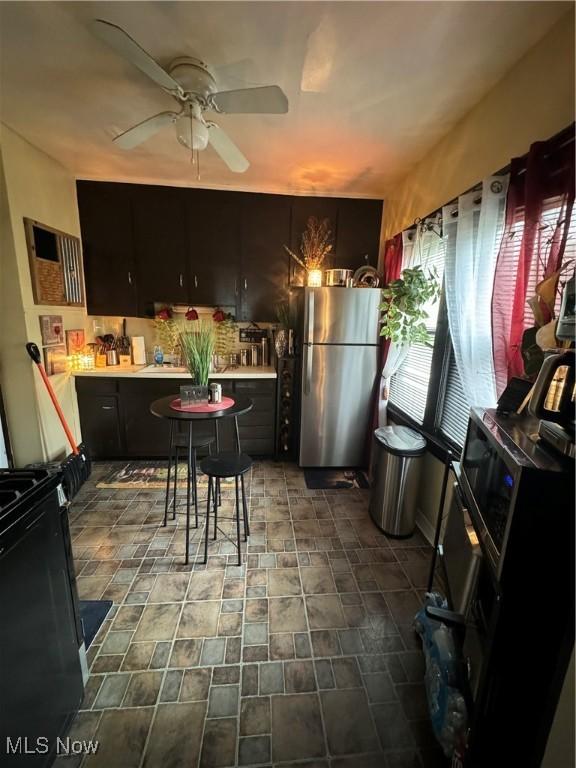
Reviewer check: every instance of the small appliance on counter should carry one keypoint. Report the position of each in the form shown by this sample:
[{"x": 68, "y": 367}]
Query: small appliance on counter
[
  {"x": 552, "y": 401},
  {"x": 338, "y": 278}
]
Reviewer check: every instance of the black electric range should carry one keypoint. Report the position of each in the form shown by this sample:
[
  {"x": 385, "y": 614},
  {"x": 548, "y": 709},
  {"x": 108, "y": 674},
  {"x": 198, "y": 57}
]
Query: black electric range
[{"x": 40, "y": 673}]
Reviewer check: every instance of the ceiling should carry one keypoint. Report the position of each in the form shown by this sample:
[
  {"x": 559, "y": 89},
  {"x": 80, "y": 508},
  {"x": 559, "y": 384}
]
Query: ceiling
[{"x": 372, "y": 86}]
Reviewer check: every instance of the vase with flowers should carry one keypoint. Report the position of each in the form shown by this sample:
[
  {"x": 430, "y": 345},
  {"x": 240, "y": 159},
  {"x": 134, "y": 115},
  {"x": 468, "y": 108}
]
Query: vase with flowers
[
  {"x": 314, "y": 248},
  {"x": 197, "y": 346}
]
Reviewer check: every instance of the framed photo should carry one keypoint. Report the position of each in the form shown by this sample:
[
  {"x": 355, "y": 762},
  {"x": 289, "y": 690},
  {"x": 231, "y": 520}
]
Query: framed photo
[
  {"x": 75, "y": 341},
  {"x": 52, "y": 329},
  {"x": 55, "y": 359}
]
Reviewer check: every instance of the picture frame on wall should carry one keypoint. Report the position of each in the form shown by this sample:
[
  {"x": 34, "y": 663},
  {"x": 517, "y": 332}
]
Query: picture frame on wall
[
  {"x": 55, "y": 360},
  {"x": 52, "y": 329},
  {"x": 75, "y": 341}
]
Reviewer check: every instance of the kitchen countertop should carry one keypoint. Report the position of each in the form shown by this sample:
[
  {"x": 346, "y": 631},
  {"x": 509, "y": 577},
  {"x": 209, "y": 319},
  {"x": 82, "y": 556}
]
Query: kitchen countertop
[{"x": 168, "y": 372}]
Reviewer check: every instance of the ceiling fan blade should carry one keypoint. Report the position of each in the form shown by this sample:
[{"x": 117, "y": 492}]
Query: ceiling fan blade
[
  {"x": 139, "y": 133},
  {"x": 129, "y": 49},
  {"x": 227, "y": 150},
  {"x": 268, "y": 99}
]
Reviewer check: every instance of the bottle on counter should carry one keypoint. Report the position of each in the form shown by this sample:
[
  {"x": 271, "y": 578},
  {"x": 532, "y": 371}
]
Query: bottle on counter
[{"x": 158, "y": 356}]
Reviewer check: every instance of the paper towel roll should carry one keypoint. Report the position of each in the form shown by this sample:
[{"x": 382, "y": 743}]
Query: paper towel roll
[{"x": 138, "y": 350}]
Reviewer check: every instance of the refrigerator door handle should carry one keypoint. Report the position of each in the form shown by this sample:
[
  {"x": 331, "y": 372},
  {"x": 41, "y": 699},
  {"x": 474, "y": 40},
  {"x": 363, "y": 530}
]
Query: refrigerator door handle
[
  {"x": 308, "y": 352},
  {"x": 310, "y": 328}
]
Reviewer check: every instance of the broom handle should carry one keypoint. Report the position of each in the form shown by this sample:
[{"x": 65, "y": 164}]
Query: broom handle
[{"x": 34, "y": 353}]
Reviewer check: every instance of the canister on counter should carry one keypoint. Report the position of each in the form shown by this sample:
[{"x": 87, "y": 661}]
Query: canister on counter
[{"x": 215, "y": 393}]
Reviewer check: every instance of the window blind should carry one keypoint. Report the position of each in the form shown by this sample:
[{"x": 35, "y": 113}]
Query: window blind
[{"x": 453, "y": 420}]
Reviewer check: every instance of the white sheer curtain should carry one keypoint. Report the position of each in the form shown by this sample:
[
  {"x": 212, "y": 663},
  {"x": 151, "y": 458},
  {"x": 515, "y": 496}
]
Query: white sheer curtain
[{"x": 473, "y": 229}]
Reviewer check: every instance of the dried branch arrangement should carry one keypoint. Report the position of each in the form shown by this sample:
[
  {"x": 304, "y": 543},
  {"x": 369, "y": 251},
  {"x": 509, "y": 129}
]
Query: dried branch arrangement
[{"x": 315, "y": 244}]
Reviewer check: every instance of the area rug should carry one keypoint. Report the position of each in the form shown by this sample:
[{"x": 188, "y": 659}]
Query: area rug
[
  {"x": 92, "y": 614},
  {"x": 332, "y": 479},
  {"x": 147, "y": 475}
]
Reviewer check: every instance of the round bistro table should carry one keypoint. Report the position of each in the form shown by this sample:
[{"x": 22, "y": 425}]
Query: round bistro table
[{"x": 162, "y": 409}]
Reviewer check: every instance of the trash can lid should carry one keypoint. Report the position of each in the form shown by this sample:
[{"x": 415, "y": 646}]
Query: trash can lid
[{"x": 401, "y": 440}]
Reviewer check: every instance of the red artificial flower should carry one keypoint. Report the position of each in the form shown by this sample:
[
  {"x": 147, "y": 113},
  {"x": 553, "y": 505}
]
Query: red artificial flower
[
  {"x": 164, "y": 314},
  {"x": 218, "y": 316},
  {"x": 191, "y": 314}
]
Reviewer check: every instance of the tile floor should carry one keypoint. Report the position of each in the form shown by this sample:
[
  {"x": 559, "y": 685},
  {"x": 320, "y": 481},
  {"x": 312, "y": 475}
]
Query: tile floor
[{"x": 303, "y": 656}]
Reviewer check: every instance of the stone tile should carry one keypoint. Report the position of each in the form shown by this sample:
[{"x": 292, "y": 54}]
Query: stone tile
[
  {"x": 299, "y": 677},
  {"x": 392, "y": 726},
  {"x": 271, "y": 677},
  {"x": 195, "y": 684},
  {"x": 219, "y": 743},
  {"x": 403, "y": 605},
  {"x": 233, "y": 588},
  {"x": 128, "y": 616},
  {"x": 346, "y": 673},
  {"x": 297, "y": 728},
  {"x": 251, "y": 653},
  {"x": 206, "y": 585},
  {"x": 316, "y": 581},
  {"x": 287, "y": 614},
  {"x": 106, "y": 663},
  {"x": 255, "y": 634},
  {"x": 186, "y": 653},
  {"x": 233, "y": 650},
  {"x": 232, "y": 606},
  {"x": 176, "y": 736},
  {"x": 390, "y": 576},
  {"x": 351, "y": 641},
  {"x": 324, "y": 612},
  {"x": 413, "y": 699},
  {"x": 380, "y": 688},
  {"x": 199, "y": 619},
  {"x": 287, "y": 560},
  {"x": 171, "y": 685},
  {"x": 230, "y": 624},
  {"x": 116, "y": 642},
  {"x": 302, "y": 645},
  {"x": 281, "y": 646},
  {"x": 143, "y": 689},
  {"x": 250, "y": 680},
  {"x": 255, "y": 715},
  {"x": 158, "y": 622},
  {"x": 116, "y": 730},
  {"x": 112, "y": 691},
  {"x": 325, "y": 643},
  {"x": 284, "y": 582},
  {"x": 213, "y": 651},
  {"x": 254, "y": 750},
  {"x": 223, "y": 701},
  {"x": 169, "y": 588},
  {"x": 324, "y": 673},
  {"x": 369, "y": 761},
  {"x": 256, "y": 610},
  {"x": 138, "y": 656},
  {"x": 349, "y": 727},
  {"x": 226, "y": 675}
]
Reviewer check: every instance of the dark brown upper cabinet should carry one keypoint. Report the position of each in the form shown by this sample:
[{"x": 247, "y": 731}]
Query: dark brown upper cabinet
[
  {"x": 302, "y": 209},
  {"x": 264, "y": 268},
  {"x": 161, "y": 246},
  {"x": 107, "y": 244},
  {"x": 358, "y": 233},
  {"x": 213, "y": 222}
]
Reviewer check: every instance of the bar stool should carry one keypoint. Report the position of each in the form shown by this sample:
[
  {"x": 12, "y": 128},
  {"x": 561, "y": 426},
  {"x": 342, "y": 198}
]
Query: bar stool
[
  {"x": 217, "y": 467},
  {"x": 190, "y": 444}
]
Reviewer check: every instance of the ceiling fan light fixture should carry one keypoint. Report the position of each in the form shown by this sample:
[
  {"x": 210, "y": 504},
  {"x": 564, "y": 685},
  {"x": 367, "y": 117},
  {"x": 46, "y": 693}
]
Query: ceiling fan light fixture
[{"x": 191, "y": 132}]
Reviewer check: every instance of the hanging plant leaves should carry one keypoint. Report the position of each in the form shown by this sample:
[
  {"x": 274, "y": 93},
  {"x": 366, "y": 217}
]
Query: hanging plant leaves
[{"x": 403, "y": 301}]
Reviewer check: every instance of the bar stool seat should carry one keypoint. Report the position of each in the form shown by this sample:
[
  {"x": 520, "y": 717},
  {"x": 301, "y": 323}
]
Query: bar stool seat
[{"x": 218, "y": 466}]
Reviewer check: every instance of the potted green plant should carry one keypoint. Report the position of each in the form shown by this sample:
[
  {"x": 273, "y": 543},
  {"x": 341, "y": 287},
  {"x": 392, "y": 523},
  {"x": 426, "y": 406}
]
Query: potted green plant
[
  {"x": 197, "y": 347},
  {"x": 403, "y": 319}
]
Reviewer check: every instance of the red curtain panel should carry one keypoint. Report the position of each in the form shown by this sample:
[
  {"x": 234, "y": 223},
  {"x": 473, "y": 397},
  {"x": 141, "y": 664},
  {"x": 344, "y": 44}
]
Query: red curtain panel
[{"x": 538, "y": 211}]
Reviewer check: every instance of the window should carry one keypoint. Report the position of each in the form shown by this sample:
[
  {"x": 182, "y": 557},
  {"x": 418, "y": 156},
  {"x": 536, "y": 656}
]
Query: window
[
  {"x": 453, "y": 421},
  {"x": 409, "y": 385}
]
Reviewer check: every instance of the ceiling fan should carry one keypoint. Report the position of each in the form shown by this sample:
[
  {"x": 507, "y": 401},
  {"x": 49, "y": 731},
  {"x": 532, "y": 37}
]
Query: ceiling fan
[{"x": 190, "y": 82}]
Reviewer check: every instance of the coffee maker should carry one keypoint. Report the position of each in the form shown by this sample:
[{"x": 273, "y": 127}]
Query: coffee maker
[{"x": 552, "y": 401}]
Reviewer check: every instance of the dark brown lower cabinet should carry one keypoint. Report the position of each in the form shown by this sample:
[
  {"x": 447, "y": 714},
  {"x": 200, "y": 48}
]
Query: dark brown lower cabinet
[{"x": 116, "y": 421}]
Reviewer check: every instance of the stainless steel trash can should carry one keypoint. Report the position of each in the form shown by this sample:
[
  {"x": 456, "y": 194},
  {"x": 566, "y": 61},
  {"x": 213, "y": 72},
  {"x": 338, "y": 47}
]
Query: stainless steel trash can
[{"x": 395, "y": 474}]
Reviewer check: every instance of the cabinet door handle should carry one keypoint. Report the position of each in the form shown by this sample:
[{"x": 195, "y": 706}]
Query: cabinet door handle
[
  {"x": 245, "y": 284},
  {"x": 107, "y": 407},
  {"x": 195, "y": 281},
  {"x": 181, "y": 280},
  {"x": 129, "y": 278}
]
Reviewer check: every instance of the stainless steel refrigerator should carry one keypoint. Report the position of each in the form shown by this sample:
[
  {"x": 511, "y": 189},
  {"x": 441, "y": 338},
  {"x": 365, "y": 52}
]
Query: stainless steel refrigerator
[{"x": 340, "y": 343}]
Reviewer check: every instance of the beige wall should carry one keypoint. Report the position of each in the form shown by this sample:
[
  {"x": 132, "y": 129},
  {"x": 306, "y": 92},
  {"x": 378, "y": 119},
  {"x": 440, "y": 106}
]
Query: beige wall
[
  {"x": 34, "y": 186},
  {"x": 533, "y": 101}
]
